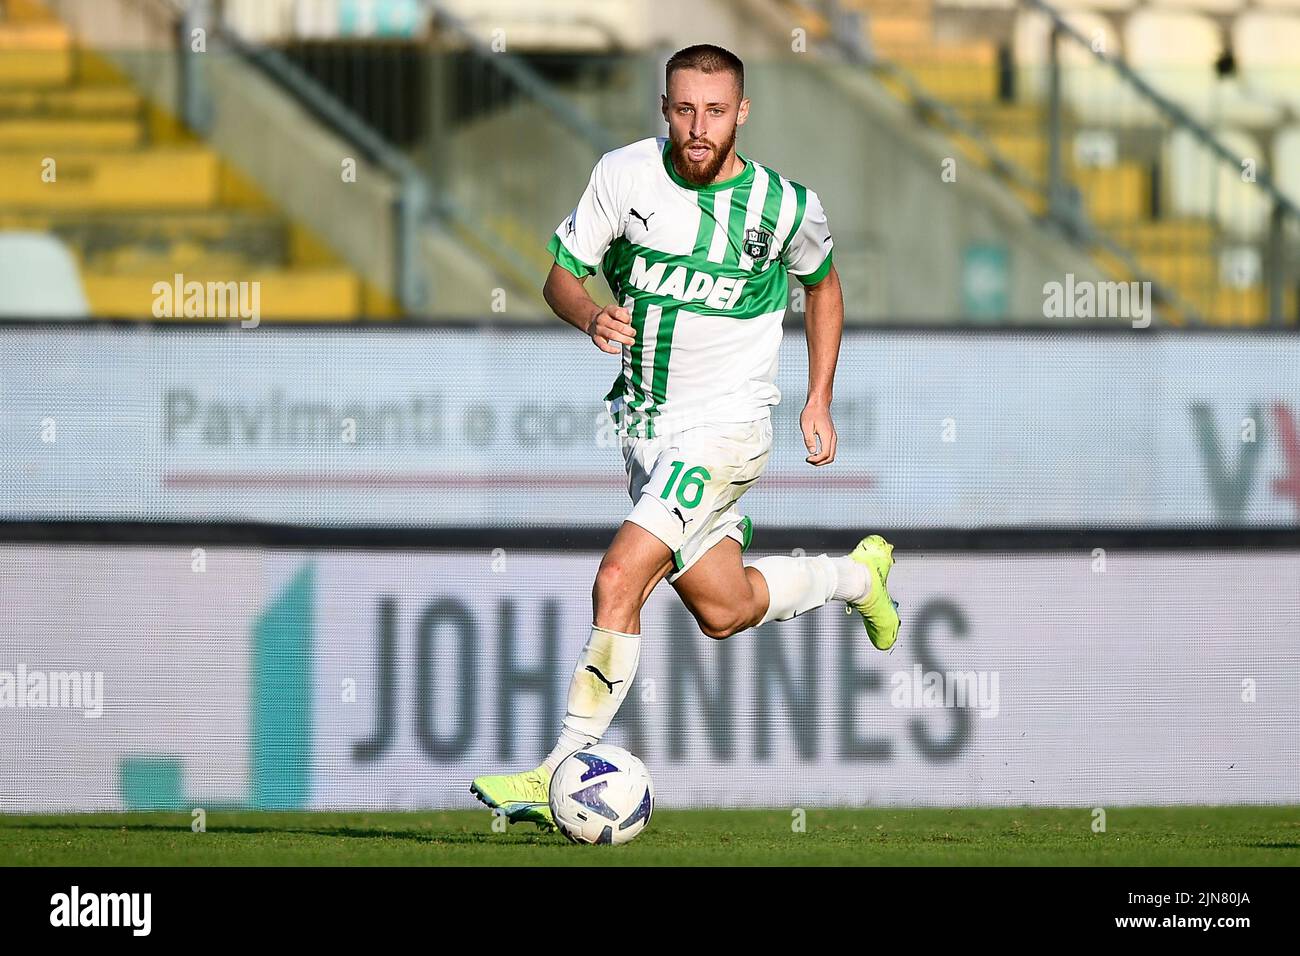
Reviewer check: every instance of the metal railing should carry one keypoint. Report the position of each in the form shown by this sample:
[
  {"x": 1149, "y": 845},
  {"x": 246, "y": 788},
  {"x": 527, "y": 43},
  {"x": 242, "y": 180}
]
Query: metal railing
[
  {"x": 412, "y": 202},
  {"x": 485, "y": 106},
  {"x": 451, "y": 166}
]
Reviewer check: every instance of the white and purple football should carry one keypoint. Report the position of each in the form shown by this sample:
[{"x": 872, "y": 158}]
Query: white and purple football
[{"x": 602, "y": 795}]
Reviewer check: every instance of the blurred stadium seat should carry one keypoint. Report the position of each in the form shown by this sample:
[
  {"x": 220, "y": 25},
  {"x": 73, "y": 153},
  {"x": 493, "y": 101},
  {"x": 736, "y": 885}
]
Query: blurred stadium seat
[
  {"x": 38, "y": 278},
  {"x": 1093, "y": 91},
  {"x": 1265, "y": 45},
  {"x": 1163, "y": 191},
  {"x": 1231, "y": 203},
  {"x": 1206, "y": 6},
  {"x": 1174, "y": 51}
]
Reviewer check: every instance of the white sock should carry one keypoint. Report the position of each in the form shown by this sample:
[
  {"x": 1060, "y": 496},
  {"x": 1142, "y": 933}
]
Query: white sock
[
  {"x": 854, "y": 580},
  {"x": 795, "y": 585},
  {"x": 593, "y": 702}
]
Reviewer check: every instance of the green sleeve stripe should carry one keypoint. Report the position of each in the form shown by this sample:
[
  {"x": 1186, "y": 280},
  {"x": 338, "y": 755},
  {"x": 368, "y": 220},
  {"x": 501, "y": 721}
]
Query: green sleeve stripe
[
  {"x": 567, "y": 260},
  {"x": 814, "y": 277}
]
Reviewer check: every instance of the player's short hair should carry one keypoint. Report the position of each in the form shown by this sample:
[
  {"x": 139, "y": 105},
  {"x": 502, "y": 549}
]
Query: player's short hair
[{"x": 706, "y": 58}]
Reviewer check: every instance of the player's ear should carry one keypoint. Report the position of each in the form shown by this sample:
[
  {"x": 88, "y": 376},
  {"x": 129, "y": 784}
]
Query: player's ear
[
  {"x": 663, "y": 105},
  {"x": 742, "y": 114}
]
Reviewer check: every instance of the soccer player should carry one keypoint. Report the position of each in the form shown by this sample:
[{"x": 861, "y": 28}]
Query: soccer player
[{"x": 696, "y": 242}]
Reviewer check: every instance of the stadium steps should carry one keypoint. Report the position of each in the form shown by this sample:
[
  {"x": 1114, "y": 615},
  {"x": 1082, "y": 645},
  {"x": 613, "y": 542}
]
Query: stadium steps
[
  {"x": 60, "y": 134},
  {"x": 89, "y": 102},
  {"x": 104, "y": 238},
  {"x": 27, "y": 11},
  {"x": 1024, "y": 148},
  {"x": 35, "y": 54},
  {"x": 159, "y": 178},
  {"x": 957, "y": 70},
  {"x": 1196, "y": 273},
  {"x": 1231, "y": 307},
  {"x": 960, "y": 67},
  {"x": 1164, "y": 235},
  {"x": 136, "y": 197},
  {"x": 1115, "y": 194}
]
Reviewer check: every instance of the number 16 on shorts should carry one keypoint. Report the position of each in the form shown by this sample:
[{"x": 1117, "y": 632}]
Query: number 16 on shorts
[{"x": 689, "y": 485}]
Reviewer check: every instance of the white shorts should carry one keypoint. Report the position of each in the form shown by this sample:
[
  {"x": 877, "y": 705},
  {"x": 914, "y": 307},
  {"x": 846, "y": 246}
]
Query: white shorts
[{"x": 685, "y": 485}]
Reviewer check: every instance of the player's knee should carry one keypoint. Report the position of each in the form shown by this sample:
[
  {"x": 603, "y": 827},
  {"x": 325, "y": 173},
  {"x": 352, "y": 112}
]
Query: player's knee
[
  {"x": 720, "y": 624},
  {"x": 614, "y": 585}
]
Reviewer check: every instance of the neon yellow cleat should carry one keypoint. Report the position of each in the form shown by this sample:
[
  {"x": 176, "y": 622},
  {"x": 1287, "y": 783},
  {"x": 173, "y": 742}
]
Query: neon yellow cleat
[
  {"x": 879, "y": 611},
  {"x": 525, "y": 797}
]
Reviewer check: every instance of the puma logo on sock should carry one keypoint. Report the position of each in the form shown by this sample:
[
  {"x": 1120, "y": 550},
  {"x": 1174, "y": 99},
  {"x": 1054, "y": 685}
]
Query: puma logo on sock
[{"x": 602, "y": 677}]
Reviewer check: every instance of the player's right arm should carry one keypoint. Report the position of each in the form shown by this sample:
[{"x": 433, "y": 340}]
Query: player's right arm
[
  {"x": 609, "y": 327},
  {"x": 579, "y": 244}
]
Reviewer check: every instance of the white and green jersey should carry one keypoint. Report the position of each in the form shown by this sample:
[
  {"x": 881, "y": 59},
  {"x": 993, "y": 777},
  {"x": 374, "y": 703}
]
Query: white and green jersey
[{"x": 702, "y": 270}]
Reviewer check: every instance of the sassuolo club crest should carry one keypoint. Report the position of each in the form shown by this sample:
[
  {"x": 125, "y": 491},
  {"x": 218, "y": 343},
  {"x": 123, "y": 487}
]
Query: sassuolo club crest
[{"x": 757, "y": 243}]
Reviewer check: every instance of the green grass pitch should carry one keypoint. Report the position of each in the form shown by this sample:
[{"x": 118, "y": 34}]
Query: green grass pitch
[{"x": 1186, "y": 836}]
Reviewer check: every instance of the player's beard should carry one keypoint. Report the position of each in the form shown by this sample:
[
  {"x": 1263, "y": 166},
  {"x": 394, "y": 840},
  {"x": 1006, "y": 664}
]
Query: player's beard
[{"x": 706, "y": 170}]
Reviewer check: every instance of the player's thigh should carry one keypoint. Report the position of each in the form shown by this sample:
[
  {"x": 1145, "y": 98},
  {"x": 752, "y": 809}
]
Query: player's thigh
[
  {"x": 689, "y": 497},
  {"x": 633, "y": 564},
  {"x": 716, "y": 589}
]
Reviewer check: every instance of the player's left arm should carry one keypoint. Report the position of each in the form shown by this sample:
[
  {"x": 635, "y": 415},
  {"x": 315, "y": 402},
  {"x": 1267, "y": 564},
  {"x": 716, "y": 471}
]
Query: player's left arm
[
  {"x": 808, "y": 258},
  {"x": 824, "y": 325}
]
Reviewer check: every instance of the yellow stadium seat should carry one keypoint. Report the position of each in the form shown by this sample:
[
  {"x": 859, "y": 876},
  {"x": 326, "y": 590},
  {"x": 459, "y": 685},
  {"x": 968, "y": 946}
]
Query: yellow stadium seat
[
  {"x": 1266, "y": 45},
  {"x": 959, "y": 73},
  {"x": 153, "y": 179},
  {"x": 60, "y": 134},
  {"x": 1119, "y": 193},
  {"x": 95, "y": 102},
  {"x": 27, "y": 11},
  {"x": 1200, "y": 185},
  {"x": 34, "y": 54}
]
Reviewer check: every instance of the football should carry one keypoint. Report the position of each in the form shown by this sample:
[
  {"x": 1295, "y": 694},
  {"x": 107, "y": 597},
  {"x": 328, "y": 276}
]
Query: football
[{"x": 601, "y": 795}]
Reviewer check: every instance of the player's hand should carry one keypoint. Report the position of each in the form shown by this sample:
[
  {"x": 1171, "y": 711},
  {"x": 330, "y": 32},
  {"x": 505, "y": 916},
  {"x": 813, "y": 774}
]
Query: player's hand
[
  {"x": 610, "y": 328},
  {"x": 816, "y": 423}
]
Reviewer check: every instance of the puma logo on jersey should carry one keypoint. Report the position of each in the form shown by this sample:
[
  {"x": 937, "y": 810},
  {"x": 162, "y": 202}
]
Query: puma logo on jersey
[
  {"x": 645, "y": 220},
  {"x": 686, "y": 285}
]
